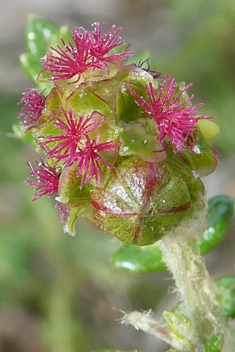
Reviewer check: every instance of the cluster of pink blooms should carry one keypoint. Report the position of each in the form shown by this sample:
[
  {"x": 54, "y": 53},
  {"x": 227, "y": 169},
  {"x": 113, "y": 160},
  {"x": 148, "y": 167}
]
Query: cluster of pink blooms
[{"x": 91, "y": 52}]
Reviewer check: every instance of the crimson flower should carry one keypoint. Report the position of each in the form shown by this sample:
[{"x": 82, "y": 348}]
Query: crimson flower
[
  {"x": 33, "y": 106},
  {"x": 73, "y": 129},
  {"x": 101, "y": 46},
  {"x": 47, "y": 179},
  {"x": 70, "y": 60},
  {"x": 174, "y": 117},
  {"x": 89, "y": 159},
  {"x": 88, "y": 51}
]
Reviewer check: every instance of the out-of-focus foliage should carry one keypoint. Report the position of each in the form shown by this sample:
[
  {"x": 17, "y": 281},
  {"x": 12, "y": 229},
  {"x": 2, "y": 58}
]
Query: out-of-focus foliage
[
  {"x": 206, "y": 56},
  {"x": 58, "y": 280}
]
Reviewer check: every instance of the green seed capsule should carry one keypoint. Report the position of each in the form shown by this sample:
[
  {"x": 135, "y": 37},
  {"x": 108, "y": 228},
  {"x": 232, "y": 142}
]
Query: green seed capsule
[{"x": 143, "y": 201}]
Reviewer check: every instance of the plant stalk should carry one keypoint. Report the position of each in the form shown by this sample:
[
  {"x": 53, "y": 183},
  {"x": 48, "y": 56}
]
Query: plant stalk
[{"x": 193, "y": 283}]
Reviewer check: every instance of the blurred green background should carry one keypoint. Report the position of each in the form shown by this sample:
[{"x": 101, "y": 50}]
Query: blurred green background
[{"x": 60, "y": 293}]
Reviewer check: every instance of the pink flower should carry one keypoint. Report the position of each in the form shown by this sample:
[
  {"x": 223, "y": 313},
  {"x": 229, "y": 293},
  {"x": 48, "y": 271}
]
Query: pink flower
[
  {"x": 47, "y": 180},
  {"x": 89, "y": 160},
  {"x": 73, "y": 129},
  {"x": 101, "y": 46},
  {"x": 70, "y": 60},
  {"x": 174, "y": 117},
  {"x": 74, "y": 145},
  {"x": 34, "y": 105},
  {"x": 88, "y": 51}
]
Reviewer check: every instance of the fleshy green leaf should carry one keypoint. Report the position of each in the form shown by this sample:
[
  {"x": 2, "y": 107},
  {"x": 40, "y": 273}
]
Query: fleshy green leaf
[
  {"x": 31, "y": 65},
  {"x": 139, "y": 260},
  {"x": 38, "y": 37},
  {"x": 142, "y": 260},
  {"x": 40, "y": 34},
  {"x": 220, "y": 210}
]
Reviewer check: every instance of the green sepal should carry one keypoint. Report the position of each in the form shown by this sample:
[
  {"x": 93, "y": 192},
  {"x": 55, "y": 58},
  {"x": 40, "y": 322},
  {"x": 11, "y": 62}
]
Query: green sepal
[
  {"x": 201, "y": 158},
  {"x": 226, "y": 296},
  {"x": 70, "y": 192},
  {"x": 139, "y": 138},
  {"x": 126, "y": 108},
  {"x": 54, "y": 101},
  {"x": 72, "y": 197},
  {"x": 46, "y": 126},
  {"x": 83, "y": 101},
  {"x": 215, "y": 344},
  {"x": 74, "y": 214},
  {"x": 142, "y": 260}
]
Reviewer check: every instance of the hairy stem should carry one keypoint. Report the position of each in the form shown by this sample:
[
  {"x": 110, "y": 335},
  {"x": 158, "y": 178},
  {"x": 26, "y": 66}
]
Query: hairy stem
[{"x": 193, "y": 282}]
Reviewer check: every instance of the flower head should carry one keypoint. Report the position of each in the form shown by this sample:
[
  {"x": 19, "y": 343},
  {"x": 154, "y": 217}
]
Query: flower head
[
  {"x": 47, "y": 179},
  {"x": 33, "y": 106},
  {"x": 70, "y": 60},
  {"x": 101, "y": 46},
  {"x": 175, "y": 117},
  {"x": 89, "y": 51},
  {"x": 87, "y": 114},
  {"x": 73, "y": 129}
]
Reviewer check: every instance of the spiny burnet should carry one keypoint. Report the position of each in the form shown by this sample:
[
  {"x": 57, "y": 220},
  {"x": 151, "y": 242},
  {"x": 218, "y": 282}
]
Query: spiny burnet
[
  {"x": 72, "y": 131},
  {"x": 121, "y": 142},
  {"x": 47, "y": 179},
  {"x": 33, "y": 106}
]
